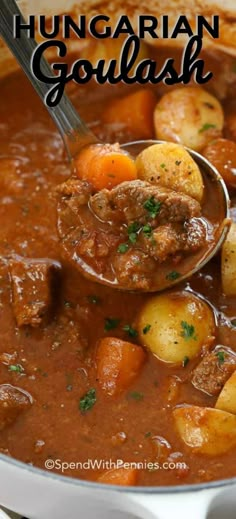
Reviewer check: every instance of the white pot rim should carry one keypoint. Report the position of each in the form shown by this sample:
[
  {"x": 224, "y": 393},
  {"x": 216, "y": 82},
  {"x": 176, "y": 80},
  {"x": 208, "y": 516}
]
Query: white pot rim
[{"x": 61, "y": 479}]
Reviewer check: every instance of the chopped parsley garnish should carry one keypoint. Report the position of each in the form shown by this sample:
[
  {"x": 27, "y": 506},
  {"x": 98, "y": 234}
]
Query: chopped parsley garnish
[
  {"x": 147, "y": 434},
  {"x": 17, "y": 368},
  {"x": 111, "y": 323},
  {"x": 172, "y": 276},
  {"x": 93, "y": 299},
  {"x": 133, "y": 227},
  {"x": 68, "y": 304},
  {"x": 146, "y": 328},
  {"x": 206, "y": 127},
  {"x": 132, "y": 230},
  {"x": 88, "y": 400},
  {"x": 178, "y": 162},
  {"x": 136, "y": 395},
  {"x": 130, "y": 330},
  {"x": 221, "y": 357},
  {"x": 185, "y": 361},
  {"x": 69, "y": 382},
  {"x": 152, "y": 206},
  {"x": 133, "y": 237},
  {"x": 162, "y": 165},
  {"x": 188, "y": 331},
  {"x": 233, "y": 322},
  {"x": 122, "y": 248},
  {"x": 147, "y": 230}
]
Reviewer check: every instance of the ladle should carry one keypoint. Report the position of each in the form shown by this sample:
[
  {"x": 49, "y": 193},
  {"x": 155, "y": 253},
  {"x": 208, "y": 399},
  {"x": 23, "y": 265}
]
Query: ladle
[{"x": 76, "y": 135}]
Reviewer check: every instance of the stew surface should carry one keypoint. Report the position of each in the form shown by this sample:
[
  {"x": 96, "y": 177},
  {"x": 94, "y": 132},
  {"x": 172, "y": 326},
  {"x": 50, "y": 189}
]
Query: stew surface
[{"x": 59, "y": 399}]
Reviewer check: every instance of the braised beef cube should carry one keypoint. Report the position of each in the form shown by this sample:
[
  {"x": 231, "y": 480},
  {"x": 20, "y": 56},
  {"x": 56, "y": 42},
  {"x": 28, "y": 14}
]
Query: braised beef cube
[
  {"x": 137, "y": 200},
  {"x": 214, "y": 370},
  {"x": 33, "y": 284},
  {"x": 13, "y": 401}
]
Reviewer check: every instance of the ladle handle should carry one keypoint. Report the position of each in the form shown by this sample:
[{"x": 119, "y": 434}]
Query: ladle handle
[{"x": 73, "y": 130}]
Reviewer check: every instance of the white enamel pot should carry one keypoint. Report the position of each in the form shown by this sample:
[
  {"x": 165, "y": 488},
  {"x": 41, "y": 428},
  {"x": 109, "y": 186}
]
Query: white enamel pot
[{"x": 38, "y": 494}]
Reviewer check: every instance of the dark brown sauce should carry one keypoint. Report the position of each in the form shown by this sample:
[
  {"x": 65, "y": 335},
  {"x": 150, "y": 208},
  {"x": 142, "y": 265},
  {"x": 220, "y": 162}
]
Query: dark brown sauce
[{"x": 58, "y": 358}]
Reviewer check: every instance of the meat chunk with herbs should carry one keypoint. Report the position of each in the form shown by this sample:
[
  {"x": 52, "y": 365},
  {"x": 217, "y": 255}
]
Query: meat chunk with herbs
[
  {"x": 123, "y": 234},
  {"x": 33, "y": 284},
  {"x": 168, "y": 239},
  {"x": 140, "y": 201},
  {"x": 214, "y": 370},
  {"x": 13, "y": 401}
]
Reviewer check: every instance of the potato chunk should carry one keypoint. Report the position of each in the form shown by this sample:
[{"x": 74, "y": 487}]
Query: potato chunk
[
  {"x": 227, "y": 398},
  {"x": 206, "y": 430},
  {"x": 228, "y": 263},
  {"x": 170, "y": 165},
  {"x": 175, "y": 325},
  {"x": 189, "y": 116}
]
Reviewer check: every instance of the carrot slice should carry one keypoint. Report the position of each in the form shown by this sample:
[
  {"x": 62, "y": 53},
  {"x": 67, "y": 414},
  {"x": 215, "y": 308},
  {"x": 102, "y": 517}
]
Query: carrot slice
[
  {"x": 134, "y": 111},
  {"x": 118, "y": 364},
  {"x": 105, "y": 165},
  {"x": 120, "y": 476}
]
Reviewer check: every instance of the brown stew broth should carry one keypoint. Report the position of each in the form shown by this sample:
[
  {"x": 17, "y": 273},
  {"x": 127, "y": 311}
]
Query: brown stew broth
[{"x": 58, "y": 357}]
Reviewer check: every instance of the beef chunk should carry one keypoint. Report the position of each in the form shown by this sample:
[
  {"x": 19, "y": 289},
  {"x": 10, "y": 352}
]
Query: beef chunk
[
  {"x": 13, "y": 401},
  {"x": 128, "y": 202},
  {"x": 74, "y": 186},
  {"x": 96, "y": 230},
  {"x": 135, "y": 268},
  {"x": 32, "y": 288},
  {"x": 168, "y": 239},
  {"x": 214, "y": 370}
]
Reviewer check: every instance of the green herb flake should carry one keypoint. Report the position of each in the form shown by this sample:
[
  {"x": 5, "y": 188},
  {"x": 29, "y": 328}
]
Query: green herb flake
[
  {"x": 133, "y": 227},
  {"x": 132, "y": 230},
  {"x": 147, "y": 434},
  {"x": 68, "y": 304},
  {"x": 122, "y": 248},
  {"x": 206, "y": 126},
  {"x": 185, "y": 361},
  {"x": 221, "y": 357},
  {"x": 172, "y": 276},
  {"x": 111, "y": 324},
  {"x": 162, "y": 165},
  {"x": 17, "y": 368},
  {"x": 178, "y": 162},
  {"x": 146, "y": 328},
  {"x": 233, "y": 322},
  {"x": 69, "y": 382},
  {"x": 147, "y": 230},
  {"x": 88, "y": 400},
  {"x": 93, "y": 299},
  {"x": 136, "y": 395},
  {"x": 133, "y": 237},
  {"x": 130, "y": 330},
  {"x": 188, "y": 331},
  {"x": 152, "y": 206}
]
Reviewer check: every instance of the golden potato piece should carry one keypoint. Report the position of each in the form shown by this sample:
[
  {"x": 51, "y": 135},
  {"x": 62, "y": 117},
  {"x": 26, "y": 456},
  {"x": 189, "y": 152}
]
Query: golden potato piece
[
  {"x": 227, "y": 398},
  {"x": 175, "y": 326},
  {"x": 206, "y": 430},
  {"x": 190, "y": 116},
  {"x": 170, "y": 165},
  {"x": 228, "y": 262}
]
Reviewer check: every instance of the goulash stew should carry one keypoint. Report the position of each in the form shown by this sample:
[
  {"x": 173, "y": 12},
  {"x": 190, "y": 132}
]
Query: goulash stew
[{"x": 119, "y": 371}]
